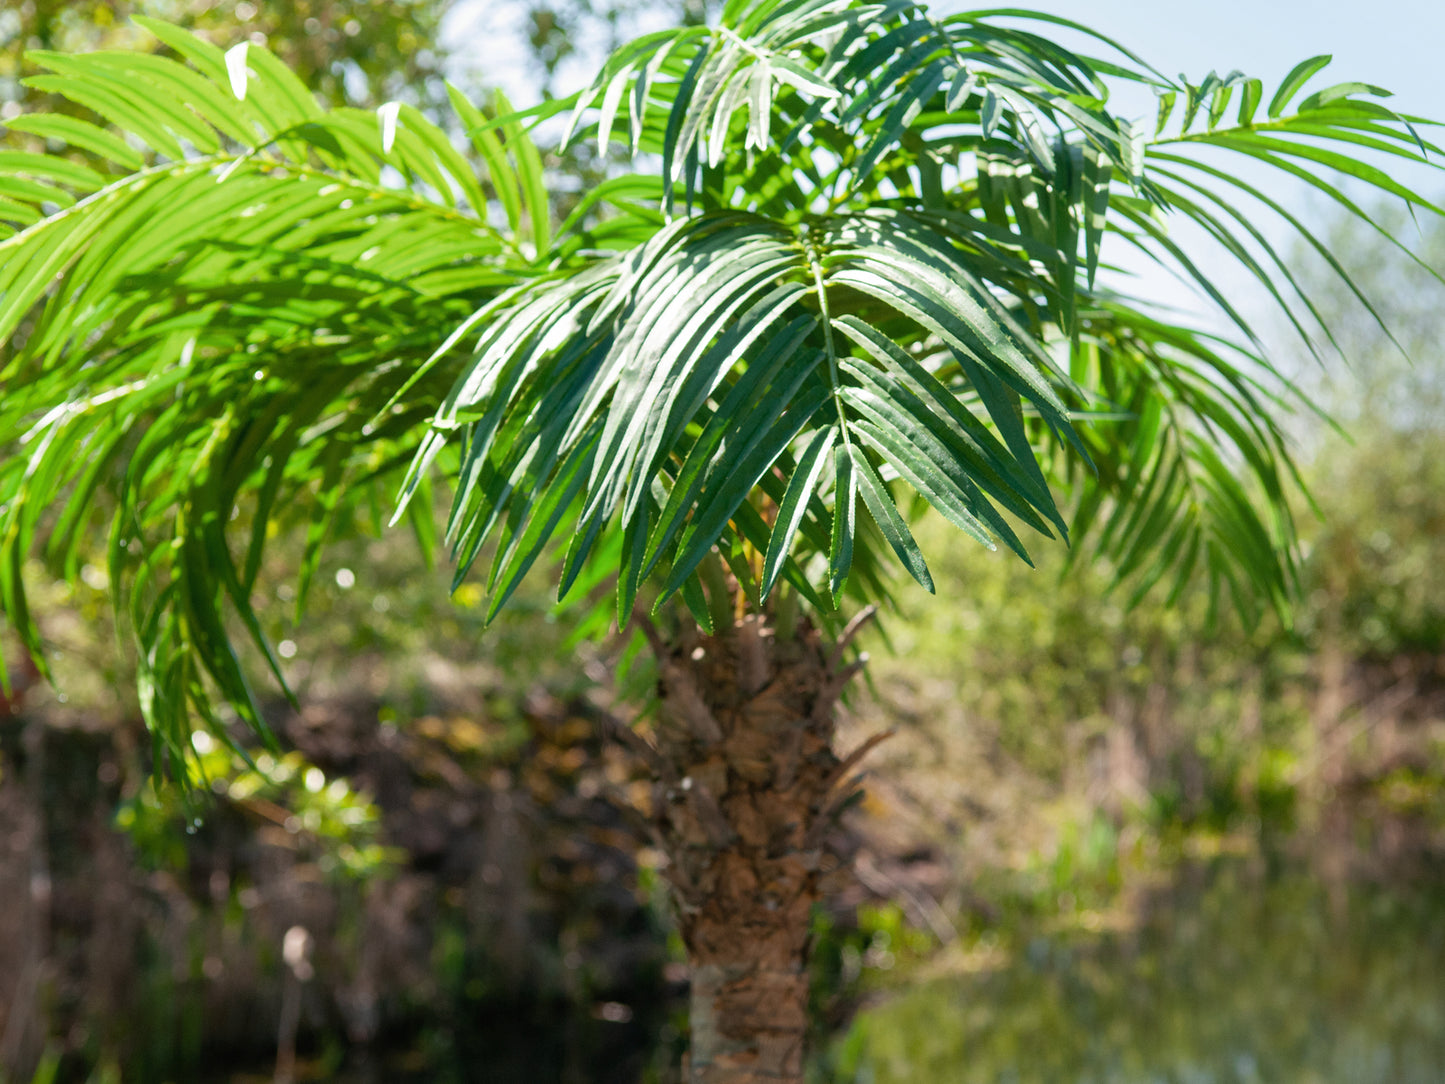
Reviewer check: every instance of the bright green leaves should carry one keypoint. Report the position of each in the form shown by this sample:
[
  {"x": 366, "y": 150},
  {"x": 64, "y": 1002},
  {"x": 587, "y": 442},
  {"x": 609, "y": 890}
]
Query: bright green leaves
[
  {"x": 80, "y": 134},
  {"x": 529, "y": 181},
  {"x": 246, "y": 312},
  {"x": 1094, "y": 207},
  {"x": 1193, "y": 467},
  {"x": 1299, "y": 75},
  {"x": 245, "y": 108},
  {"x": 251, "y": 176},
  {"x": 707, "y": 90},
  {"x": 757, "y": 444},
  {"x": 738, "y": 116},
  {"x": 1323, "y": 140},
  {"x": 928, "y": 437},
  {"x": 901, "y": 114},
  {"x": 213, "y": 346},
  {"x": 751, "y": 425},
  {"x": 255, "y": 181}
]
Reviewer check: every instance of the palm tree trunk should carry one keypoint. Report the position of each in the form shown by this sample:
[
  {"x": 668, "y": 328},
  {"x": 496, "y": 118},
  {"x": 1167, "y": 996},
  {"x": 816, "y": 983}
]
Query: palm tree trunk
[{"x": 748, "y": 781}]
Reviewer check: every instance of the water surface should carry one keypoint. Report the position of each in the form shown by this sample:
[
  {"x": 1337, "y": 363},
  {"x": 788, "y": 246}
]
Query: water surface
[{"x": 1229, "y": 978}]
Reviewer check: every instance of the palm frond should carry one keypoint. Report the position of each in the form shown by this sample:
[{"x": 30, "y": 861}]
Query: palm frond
[
  {"x": 979, "y": 121},
  {"x": 869, "y": 278},
  {"x": 660, "y": 390},
  {"x": 211, "y": 343}
]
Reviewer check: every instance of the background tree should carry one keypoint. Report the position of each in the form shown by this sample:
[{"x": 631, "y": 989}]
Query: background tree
[
  {"x": 348, "y": 52},
  {"x": 871, "y": 258}
]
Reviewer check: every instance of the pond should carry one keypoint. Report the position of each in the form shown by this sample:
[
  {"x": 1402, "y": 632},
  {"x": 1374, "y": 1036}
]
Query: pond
[{"x": 1226, "y": 977}]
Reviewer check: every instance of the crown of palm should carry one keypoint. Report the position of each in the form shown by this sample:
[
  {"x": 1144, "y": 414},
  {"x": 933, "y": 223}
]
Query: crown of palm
[{"x": 866, "y": 265}]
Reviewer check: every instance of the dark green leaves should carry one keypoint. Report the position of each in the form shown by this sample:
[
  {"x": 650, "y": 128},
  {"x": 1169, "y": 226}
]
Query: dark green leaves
[
  {"x": 875, "y": 265},
  {"x": 845, "y": 524},
  {"x": 794, "y": 506},
  {"x": 885, "y": 514},
  {"x": 699, "y": 359}
]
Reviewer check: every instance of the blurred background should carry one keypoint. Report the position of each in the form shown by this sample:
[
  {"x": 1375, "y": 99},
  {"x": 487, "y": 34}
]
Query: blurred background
[{"x": 1107, "y": 845}]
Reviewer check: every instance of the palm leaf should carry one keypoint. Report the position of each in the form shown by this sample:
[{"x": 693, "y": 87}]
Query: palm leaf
[
  {"x": 202, "y": 349},
  {"x": 873, "y": 265}
]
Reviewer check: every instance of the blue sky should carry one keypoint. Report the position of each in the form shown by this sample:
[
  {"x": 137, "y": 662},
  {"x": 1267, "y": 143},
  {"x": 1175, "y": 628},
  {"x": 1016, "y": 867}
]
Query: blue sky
[
  {"x": 1397, "y": 44},
  {"x": 1393, "y": 43}
]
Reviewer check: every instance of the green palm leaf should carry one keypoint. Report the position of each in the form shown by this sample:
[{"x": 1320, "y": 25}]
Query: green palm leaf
[
  {"x": 210, "y": 345},
  {"x": 872, "y": 266}
]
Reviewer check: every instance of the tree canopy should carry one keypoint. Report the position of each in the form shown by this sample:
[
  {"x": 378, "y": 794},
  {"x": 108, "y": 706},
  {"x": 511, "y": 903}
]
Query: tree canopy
[{"x": 857, "y": 262}]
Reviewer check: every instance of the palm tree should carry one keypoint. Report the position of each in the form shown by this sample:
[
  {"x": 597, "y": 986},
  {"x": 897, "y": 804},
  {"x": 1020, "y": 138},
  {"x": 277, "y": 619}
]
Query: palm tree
[{"x": 856, "y": 276}]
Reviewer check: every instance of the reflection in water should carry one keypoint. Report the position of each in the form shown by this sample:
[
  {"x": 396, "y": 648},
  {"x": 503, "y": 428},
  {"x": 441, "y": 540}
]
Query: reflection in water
[
  {"x": 538, "y": 1045},
  {"x": 1227, "y": 979}
]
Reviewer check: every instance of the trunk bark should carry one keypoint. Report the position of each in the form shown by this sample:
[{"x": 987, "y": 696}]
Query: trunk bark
[{"x": 748, "y": 784}]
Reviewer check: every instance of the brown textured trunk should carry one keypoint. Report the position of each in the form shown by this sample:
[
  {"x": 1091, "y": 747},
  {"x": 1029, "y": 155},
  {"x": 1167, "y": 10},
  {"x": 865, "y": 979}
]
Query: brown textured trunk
[{"x": 748, "y": 783}]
